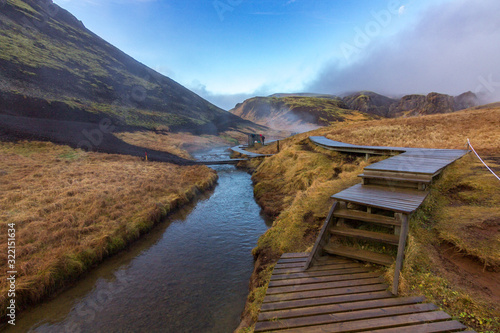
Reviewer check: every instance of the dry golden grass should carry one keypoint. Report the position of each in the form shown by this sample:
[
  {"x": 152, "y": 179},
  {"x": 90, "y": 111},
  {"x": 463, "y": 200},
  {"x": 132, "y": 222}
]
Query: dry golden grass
[
  {"x": 296, "y": 185},
  {"x": 453, "y": 252},
  {"x": 445, "y": 131},
  {"x": 71, "y": 209}
]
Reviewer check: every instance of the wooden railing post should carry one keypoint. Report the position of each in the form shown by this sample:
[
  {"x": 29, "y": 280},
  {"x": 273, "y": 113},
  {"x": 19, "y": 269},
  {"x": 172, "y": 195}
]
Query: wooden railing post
[
  {"x": 403, "y": 218},
  {"x": 323, "y": 237}
]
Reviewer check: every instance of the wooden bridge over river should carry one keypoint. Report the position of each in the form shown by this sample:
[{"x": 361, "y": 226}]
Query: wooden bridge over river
[{"x": 330, "y": 289}]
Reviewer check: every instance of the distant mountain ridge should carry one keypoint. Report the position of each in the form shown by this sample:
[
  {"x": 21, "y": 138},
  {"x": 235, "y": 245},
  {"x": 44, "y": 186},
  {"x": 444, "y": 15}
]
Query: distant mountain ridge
[{"x": 281, "y": 110}]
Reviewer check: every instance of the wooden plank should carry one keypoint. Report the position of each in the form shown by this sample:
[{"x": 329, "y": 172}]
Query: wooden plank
[
  {"x": 364, "y": 255},
  {"x": 319, "y": 279},
  {"x": 307, "y": 274},
  {"x": 322, "y": 285},
  {"x": 343, "y": 317},
  {"x": 389, "y": 177},
  {"x": 365, "y": 217},
  {"x": 375, "y": 323},
  {"x": 341, "y": 307},
  {"x": 322, "y": 238},
  {"x": 350, "y": 297},
  {"x": 403, "y": 200},
  {"x": 362, "y": 287},
  {"x": 441, "y": 326},
  {"x": 411, "y": 164},
  {"x": 330, "y": 260},
  {"x": 348, "y": 264},
  {"x": 365, "y": 234},
  {"x": 289, "y": 265},
  {"x": 401, "y": 250},
  {"x": 295, "y": 255},
  {"x": 315, "y": 269},
  {"x": 283, "y": 261}
]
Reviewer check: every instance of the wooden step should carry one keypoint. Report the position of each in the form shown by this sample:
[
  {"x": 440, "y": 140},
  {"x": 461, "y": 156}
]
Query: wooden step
[
  {"x": 338, "y": 307},
  {"x": 365, "y": 217},
  {"x": 372, "y": 324},
  {"x": 389, "y": 177},
  {"x": 402, "y": 201},
  {"x": 349, "y": 297},
  {"x": 364, "y": 255},
  {"x": 440, "y": 326},
  {"x": 343, "y": 317},
  {"x": 364, "y": 234}
]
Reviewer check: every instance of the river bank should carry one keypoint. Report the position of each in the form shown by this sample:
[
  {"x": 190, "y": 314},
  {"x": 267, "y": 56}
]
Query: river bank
[
  {"x": 189, "y": 274},
  {"x": 73, "y": 209}
]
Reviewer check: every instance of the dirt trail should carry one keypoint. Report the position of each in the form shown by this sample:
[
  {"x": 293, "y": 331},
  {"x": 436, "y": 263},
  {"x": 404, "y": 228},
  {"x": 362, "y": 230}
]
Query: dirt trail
[{"x": 470, "y": 274}]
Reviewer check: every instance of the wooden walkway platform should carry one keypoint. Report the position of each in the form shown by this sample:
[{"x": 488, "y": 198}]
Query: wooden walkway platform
[
  {"x": 330, "y": 289},
  {"x": 341, "y": 295}
]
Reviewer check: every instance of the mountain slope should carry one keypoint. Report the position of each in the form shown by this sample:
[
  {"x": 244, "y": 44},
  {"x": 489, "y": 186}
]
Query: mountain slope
[
  {"x": 416, "y": 105},
  {"x": 369, "y": 102},
  {"x": 295, "y": 112},
  {"x": 52, "y": 67}
]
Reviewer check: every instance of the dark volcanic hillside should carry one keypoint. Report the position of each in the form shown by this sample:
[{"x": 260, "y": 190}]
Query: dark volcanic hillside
[
  {"x": 296, "y": 112},
  {"x": 53, "y": 68},
  {"x": 369, "y": 102}
]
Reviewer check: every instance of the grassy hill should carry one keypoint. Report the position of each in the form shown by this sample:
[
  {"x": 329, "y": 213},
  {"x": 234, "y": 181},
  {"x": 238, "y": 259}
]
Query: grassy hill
[
  {"x": 53, "y": 69},
  {"x": 453, "y": 253},
  {"x": 296, "y": 113}
]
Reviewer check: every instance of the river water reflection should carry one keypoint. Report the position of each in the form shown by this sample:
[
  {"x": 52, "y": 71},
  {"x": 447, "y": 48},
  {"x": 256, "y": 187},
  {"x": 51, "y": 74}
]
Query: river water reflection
[{"x": 190, "y": 274}]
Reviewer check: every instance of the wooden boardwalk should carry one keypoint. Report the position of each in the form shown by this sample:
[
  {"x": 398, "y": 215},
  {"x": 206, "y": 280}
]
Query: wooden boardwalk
[
  {"x": 341, "y": 295},
  {"x": 241, "y": 149},
  {"x": 329, "y": 289}
]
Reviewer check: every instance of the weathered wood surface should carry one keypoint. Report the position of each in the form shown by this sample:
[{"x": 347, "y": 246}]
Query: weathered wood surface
[
  {"x": 341, "y": 300},
  {"x": 449, "y": 154},
  {"x": 366, "y": 217},
  {"x": 399, "y": 200}
]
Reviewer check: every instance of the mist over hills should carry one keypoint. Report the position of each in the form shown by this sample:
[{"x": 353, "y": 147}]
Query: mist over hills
[
  {"x": 53, "y": 69},
  {"x": 297, "y": 112},
  {"x": 309, "y": 110}
]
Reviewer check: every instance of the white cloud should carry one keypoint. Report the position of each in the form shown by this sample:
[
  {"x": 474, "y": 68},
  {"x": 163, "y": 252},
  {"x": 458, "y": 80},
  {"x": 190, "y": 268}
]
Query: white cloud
[
  {"x": 401, "y": 10},
  {"x": 449, "y": 50}
]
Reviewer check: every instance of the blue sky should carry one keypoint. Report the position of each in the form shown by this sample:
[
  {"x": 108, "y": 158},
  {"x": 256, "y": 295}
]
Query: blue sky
[{"x": 229, "y": 50}]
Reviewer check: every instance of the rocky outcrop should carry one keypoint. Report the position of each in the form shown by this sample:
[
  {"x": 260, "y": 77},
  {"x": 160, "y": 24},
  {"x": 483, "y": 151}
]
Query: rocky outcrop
[
  {"x": 369, "y": 102},
  {"x": 416, "y": 105}
]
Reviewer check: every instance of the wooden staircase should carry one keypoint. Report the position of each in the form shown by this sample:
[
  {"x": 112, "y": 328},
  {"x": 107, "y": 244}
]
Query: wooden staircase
[{"x": 369, "y": 221}]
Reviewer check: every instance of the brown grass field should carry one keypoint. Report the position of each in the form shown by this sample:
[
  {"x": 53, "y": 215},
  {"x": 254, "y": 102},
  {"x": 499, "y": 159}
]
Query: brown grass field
[
  {"x": 71, "y": 209},
  {"x": 453, "y": 252}
]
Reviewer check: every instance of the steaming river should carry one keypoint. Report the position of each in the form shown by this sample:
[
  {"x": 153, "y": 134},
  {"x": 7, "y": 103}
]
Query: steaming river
[{"x": 190, "y": 274}]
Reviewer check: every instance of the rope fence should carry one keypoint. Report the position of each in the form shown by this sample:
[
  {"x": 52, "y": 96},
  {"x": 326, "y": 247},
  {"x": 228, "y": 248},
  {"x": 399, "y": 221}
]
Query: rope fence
[{"x": 470, "y": 146}]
